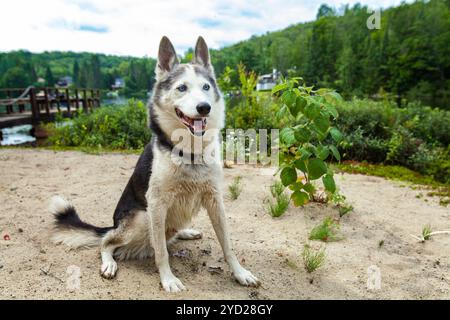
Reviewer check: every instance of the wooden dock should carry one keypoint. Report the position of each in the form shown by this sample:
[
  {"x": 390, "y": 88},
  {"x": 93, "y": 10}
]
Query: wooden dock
[{"x": 35, "y": 105}]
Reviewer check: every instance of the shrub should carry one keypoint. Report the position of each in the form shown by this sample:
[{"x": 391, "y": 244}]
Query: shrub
[
  {"x": 110, "y": 127},
  {"x": 358, "y": 146},
  {"x": 416, "y": 136},
  {"x": 304, "y": 144}
]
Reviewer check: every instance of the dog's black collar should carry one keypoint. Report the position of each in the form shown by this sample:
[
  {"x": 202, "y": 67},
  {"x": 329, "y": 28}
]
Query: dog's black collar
[{"x": 163, "y": 140}]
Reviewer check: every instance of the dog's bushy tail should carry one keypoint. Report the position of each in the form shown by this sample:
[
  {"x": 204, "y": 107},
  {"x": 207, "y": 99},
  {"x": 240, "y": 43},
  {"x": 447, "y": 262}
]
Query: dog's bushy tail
[{"x": 69, "y": 229}]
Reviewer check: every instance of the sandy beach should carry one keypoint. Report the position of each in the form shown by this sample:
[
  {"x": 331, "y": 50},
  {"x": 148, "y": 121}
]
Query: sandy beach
[{"x": 31, "y": 267}]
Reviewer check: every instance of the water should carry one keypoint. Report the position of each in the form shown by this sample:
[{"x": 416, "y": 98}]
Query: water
[
  {"x": 17, "y": 135},
  {"x": 21, "y": 134}
]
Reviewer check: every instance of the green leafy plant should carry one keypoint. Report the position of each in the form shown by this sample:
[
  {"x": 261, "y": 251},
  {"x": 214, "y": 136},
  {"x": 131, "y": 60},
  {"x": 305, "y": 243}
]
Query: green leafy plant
[
  {"x": 326, "y": 231},
  {"x": 304, "y": 143},
  {"x": 312, "y": 259},
  {"x": 340, "y": 201},
  {"x": 235, "y": 188}
]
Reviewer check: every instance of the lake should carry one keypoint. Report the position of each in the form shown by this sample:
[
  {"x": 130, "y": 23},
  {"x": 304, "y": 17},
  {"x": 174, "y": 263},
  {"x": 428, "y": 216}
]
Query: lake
[{"x": 17, "y": 135}]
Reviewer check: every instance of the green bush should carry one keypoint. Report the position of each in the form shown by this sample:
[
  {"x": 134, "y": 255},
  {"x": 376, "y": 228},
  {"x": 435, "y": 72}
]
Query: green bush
[
  {"x": 416, "y": 136},
  {"x": 304, "y": 144},
  {"x": 109, "y": 127}
]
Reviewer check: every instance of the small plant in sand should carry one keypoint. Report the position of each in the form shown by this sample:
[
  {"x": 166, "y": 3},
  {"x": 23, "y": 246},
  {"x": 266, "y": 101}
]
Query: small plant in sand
[
  {"x": 312, "y": 259},
  {"x": 235, "y": 188},
  {"x": 280, "y": 204},
  {"x": 276, "y": 189},
  {"x": 340, "y": 201},
  {"x": 326, "y": 231},
  {"x": 426, "y": 232}
]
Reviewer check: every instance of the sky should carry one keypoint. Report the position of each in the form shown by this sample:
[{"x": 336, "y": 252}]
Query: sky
[{"x": 134, "y": 27}]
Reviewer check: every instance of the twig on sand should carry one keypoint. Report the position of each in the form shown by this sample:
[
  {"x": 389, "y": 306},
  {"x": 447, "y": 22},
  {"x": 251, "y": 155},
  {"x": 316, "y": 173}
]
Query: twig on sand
[
  {"x": 421, "y": 238},
  {"x": 47, "y": 273}
]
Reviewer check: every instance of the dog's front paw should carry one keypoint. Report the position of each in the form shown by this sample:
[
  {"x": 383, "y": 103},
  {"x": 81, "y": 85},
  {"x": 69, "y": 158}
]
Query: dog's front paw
[
  {"x": 108, "y": 269},
  {"x": 246, "y": 278},
  {"x": 172, "y": 284}
]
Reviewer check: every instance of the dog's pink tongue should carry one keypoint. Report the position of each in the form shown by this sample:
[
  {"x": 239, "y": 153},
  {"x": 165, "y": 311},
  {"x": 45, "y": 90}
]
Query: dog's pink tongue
[{"x": 198, "y": 126}]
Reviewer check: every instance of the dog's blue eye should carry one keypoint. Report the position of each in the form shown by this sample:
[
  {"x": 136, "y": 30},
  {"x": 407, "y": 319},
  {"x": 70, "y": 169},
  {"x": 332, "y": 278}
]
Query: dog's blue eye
[
  {"x": 182, "y": 88},
  {"x": 206, "y": 87}
]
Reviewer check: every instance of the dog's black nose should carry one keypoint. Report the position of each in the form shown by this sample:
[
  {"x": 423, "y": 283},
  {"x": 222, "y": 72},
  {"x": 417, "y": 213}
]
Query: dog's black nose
[{"x": 203, "y": 108}]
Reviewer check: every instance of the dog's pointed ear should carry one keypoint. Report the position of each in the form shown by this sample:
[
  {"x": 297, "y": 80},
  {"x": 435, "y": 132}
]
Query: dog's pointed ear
[
  {"x": 167, "y": 57},
  {"x": 201, "y": 54}
]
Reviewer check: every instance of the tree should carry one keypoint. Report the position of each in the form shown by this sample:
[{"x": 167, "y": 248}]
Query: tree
[
  {"x": 325, "y": 11},
  {"x": 16, "y": 78},
  {"x": 95, "y": 78},
  {"x": 76, "y": 72},
  {"x": 49, "y": 78}
]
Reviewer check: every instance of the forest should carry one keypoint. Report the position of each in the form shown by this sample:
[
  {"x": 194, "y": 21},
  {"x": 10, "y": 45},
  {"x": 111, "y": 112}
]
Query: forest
[
  {"x": 407, "y": 59},
  {"x": 20, "y": 69}
]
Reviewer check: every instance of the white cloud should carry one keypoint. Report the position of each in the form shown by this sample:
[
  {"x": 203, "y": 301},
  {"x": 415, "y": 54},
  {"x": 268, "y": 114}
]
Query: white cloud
[{"x": 134, "y": 27}]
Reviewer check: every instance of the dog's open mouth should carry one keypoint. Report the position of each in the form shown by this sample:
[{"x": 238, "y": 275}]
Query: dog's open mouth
[{"x": 197, "y": 126}]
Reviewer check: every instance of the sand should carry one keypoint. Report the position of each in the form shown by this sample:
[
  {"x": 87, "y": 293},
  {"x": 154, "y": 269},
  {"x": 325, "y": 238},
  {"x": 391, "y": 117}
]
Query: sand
[{"x": 31, "y": 267}]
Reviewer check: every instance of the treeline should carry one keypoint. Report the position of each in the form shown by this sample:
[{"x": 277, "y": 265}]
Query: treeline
[
  {"x": 408, "y": 57},
  {"x": 22, "y": 68}
]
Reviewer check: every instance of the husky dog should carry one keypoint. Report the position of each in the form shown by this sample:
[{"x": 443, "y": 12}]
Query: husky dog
[{"x": 163, "y": 194}]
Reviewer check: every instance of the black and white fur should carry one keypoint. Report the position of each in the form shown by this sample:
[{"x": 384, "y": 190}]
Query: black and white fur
[{"x": 163, "y": 195}]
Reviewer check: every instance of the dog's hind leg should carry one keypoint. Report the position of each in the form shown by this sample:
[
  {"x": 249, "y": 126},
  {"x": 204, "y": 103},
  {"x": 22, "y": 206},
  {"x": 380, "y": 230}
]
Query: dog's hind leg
[
  {"x": 110, "y": 242},
  {"x": 109, "y": 265},
  {"x": 129, "y": 240}
]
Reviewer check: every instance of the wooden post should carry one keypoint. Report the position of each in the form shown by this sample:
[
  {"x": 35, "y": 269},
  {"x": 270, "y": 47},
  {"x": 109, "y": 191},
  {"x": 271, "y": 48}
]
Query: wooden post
[
  {"x": 85, "y": 105},
  {"x": 77, "y": 100},
  {"x": 58, "y": 105},
  {"x": 68, "y": 101},
  {"x": 92, "y": 99},
  {"x": 9, "y": 107},
  {"x": 98, "y": 98},
  {"x": 34, "y": 106},
  {"x": 47, "y": 106}
]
